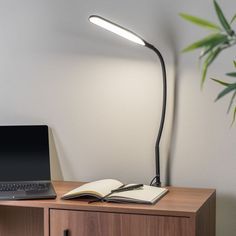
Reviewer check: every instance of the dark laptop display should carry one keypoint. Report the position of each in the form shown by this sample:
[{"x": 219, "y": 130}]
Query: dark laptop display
[{"x": 24, "y": 158}]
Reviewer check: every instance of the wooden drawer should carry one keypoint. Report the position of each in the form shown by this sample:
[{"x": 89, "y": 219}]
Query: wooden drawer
[{"x": 86, "y": 223}]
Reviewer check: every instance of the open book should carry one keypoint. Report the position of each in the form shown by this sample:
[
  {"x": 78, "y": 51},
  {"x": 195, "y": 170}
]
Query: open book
[{"x": 102, "y": 190}]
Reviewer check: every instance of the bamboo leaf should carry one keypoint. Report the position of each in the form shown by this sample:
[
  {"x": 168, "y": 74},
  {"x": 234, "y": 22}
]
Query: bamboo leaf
[
  {"x": 204, "y": 72},
  {"x": 205, "y": 51},
  {"x": 232, "y": 74},
  {"x": 200, "y": 22},
  {"x": 212, "y": 56},
  {"x": 235, "y": 64},
  {"x": 234, "y": 116},
  {"x": 233, "y": 19},
  {"x": 220, "y": 82},
  {"x": 207, "y": 41},
  {"x": 227, "y": 90},
  {"x": 231, "y": 101},
  {"x": 211, "y": 47},
  {"x": 222, "y": 18}
]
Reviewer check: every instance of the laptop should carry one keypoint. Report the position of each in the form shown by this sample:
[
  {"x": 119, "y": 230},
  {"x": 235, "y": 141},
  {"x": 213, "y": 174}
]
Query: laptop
[{"x": 25, "y": 163}]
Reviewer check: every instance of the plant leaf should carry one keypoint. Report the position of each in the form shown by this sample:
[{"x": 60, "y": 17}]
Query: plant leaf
[
  {"x": 233, "y": 19},
  {"x": 231, "y": 101},
  {"x": 220, "y": 82},
  {"x": 205, "y": 51},
  {"x": 234, "y": 116},
  {"x": 211, "y": 47},
  {"x": 207, "y": 41},
  {"x": 235, "y": 64},
  {"x": 227, "y": 90},
  {"x": 200, "y": 22},
  {"x": 222, "y": 18},
  {"x": 207, "y": 63},
  {"x": 232, "y": 74}
]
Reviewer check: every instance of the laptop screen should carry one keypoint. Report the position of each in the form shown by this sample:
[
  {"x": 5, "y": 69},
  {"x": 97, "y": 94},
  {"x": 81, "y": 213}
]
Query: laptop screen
[{"x": 24, "y": 153}]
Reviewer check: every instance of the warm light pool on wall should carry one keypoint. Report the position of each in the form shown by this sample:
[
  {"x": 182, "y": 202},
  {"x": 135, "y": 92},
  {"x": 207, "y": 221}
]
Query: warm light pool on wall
[{"x": 121, "y": 31}]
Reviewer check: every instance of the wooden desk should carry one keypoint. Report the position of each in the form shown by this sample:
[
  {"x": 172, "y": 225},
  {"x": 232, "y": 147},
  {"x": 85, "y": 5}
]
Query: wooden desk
[{"x": 182, "y": 212}]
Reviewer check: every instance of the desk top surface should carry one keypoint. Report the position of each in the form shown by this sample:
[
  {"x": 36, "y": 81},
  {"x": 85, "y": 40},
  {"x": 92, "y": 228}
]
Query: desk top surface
[{"x": 177, "y": 202}]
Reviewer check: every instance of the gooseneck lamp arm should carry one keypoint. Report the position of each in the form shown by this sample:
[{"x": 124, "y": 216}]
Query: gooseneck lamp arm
[
  {"x": 156, "y": 181},
  {"x": 121, "y": 31}
]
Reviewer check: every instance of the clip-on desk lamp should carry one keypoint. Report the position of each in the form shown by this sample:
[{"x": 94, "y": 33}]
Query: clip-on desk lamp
[{"x": 110, "y": 26}]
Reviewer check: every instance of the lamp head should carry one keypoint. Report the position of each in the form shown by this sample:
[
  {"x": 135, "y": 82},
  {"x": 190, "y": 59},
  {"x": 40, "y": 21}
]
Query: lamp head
[{"x": 119, "y": 30}]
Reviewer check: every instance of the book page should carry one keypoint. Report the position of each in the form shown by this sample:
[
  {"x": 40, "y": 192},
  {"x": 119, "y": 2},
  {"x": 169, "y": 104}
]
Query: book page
[
  {"x": 147, "y": 194},
  {"x": 98, "y": 188}
]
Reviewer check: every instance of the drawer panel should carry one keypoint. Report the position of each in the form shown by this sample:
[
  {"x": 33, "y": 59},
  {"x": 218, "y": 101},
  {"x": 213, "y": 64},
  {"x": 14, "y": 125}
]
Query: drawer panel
[
  {"x": 21, "y": 221},
  {"x": 85, "y": 223}
]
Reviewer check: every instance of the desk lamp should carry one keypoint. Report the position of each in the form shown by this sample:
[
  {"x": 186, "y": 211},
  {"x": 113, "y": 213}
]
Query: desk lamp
[{"x": 119, "y": 30}]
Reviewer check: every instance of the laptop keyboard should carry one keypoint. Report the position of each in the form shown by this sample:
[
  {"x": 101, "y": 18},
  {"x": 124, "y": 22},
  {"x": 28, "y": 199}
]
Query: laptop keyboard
[{"x": 24, "y": 187}]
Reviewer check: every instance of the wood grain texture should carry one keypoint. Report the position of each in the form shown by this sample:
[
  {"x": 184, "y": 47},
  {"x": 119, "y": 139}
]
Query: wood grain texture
[
  {"x": 81, "y": 223},
  {"x": 177, "y": 202},
  {"x": 181, "y": 212},
  {"x": 205, "y": 218},
  {"x": 21, "y": 221},
  {"x": 46, "y": 221}
]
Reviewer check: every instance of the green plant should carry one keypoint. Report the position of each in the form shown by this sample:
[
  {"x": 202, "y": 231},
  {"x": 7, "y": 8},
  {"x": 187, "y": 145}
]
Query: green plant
[
  {"x": 222, "y": 36},
  {"x": 229, "y": 87}
]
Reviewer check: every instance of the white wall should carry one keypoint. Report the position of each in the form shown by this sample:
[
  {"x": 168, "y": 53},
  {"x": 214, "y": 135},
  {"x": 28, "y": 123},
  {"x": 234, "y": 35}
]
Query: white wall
[
  {"x": 204, "y": 154},
  {"x": 101, "y": 95}
]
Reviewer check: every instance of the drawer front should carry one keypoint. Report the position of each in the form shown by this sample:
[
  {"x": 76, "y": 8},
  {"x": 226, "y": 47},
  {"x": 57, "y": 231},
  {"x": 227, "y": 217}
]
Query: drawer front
[
  {"x": 82, "y": 223},
  {"x": 21, "y": 221}
]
